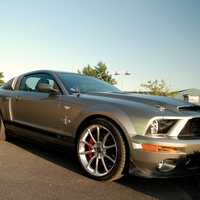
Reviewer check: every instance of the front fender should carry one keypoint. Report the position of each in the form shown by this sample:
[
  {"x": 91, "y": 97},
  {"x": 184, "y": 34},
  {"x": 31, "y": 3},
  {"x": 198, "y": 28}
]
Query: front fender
[{"x": 110, "y": 111}]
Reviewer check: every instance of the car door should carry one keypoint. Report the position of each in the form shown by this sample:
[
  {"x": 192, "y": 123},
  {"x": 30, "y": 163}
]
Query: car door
[{"x": 35, "y": 113}]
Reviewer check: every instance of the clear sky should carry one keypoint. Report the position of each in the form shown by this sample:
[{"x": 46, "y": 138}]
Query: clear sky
[{"x": 153, "y": 39}]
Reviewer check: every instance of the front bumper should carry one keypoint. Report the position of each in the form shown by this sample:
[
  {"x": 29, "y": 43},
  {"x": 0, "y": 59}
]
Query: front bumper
[{"x": 184, "y": 162}]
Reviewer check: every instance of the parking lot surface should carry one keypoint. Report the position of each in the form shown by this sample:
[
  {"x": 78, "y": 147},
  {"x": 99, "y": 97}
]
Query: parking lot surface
[{"x": 34, "y": 171}]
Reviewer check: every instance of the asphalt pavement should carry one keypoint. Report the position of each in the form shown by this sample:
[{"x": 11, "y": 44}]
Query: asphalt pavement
[{"x": 33, "y": 171}]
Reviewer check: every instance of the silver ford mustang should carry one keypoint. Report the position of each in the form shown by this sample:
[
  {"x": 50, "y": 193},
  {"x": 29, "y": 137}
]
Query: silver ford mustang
[{"x": 111, "y": 132}]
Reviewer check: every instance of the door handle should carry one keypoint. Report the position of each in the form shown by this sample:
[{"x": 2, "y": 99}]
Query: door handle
[{"x": 17, "y": 98}]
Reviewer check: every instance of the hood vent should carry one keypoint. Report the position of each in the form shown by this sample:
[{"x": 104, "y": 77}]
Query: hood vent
[{"x": 189, "y": 108}]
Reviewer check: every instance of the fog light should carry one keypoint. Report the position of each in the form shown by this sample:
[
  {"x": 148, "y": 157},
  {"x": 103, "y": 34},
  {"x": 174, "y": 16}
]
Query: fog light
[{"x": 166, "y": 165}]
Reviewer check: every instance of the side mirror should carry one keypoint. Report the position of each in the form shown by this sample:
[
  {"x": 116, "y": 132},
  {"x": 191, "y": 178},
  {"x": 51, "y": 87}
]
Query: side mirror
[
  {"x": 43, "y": 87},
  {"x": 7, "y": 86}
]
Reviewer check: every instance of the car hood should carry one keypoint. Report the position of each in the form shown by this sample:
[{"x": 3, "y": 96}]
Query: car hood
[{"x": 159, "y": 102}]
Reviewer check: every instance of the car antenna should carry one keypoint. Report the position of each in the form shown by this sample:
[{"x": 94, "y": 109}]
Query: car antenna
[{"x": 79, "y": 87}]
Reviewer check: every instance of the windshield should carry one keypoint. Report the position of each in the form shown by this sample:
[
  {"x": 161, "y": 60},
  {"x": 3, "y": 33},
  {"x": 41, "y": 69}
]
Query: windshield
[{"x": 87, "y": 84}]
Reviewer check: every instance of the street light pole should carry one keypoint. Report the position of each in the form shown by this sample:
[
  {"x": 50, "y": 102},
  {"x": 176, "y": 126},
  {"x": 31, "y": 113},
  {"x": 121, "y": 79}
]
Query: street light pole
[{"x": 117, "y": 73}]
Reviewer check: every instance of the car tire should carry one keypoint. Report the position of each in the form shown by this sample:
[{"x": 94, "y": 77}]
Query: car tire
[
  {"x": 2, "y": 130},
  {"x": 101, "y": 150}
]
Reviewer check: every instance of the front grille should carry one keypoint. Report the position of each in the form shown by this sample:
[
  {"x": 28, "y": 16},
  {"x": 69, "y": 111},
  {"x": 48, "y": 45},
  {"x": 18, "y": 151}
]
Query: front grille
[{"x": 192, "y": 128}]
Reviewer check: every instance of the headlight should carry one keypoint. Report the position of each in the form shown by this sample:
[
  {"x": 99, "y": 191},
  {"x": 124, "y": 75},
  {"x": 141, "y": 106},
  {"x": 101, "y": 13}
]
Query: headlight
[{"x": 160, "y": 126}]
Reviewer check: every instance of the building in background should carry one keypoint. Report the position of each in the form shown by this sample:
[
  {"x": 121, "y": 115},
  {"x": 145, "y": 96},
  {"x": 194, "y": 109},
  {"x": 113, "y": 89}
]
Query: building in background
[{"x": 190, "y": 95}]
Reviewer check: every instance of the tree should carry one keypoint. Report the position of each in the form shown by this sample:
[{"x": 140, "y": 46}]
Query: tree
[
  {"x": 100, "y": 72},
  {"x": 159, "y": 89},
  {"x": 1, "y": 76}
]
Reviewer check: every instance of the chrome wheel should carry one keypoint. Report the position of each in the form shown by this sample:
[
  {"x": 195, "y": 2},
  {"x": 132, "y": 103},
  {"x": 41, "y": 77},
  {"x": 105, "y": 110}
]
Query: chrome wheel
[{"x": 99, "y": 151}]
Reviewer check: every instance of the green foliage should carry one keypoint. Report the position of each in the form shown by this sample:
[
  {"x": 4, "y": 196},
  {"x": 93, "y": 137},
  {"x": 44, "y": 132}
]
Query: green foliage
[
  {"x": 1, "y": 76},
  {"x": 100, "y": 72},
  {"x": 159, "y": 89}
]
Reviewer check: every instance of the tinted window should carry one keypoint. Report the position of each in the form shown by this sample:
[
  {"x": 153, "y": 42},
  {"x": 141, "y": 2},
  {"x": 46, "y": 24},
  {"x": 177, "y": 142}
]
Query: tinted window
[
  {"x": 31, "y": 82},
  {"x": 87, "y": 84}
]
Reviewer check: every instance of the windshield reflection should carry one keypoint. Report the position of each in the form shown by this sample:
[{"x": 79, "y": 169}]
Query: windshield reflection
[{"x": 86, "y": 83}]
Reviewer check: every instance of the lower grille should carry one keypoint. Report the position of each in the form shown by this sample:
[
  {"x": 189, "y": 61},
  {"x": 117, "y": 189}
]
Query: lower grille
[{"x": 193, "y": 161}]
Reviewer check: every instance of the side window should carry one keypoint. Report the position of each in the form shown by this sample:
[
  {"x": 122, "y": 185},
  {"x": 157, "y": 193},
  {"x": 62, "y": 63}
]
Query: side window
[{"x": 32, "y": 82}]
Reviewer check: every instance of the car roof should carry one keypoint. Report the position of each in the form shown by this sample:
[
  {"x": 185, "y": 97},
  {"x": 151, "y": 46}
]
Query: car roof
[{"x": 48, "y": 71}]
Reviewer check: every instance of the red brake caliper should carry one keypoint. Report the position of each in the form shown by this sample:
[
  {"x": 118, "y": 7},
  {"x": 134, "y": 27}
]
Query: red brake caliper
[
  {"x": 90, "y": 148},
  {"x": 91, "y": 142}
]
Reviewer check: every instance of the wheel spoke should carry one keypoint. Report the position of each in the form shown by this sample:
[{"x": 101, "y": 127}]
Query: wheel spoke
[
  {"x": 105, "y": 138},
  {"x": 104, "y": 141},
  {"x": 96, "y": 165},
  {"x": 104, "y": 164},
  {"x": 98, "y": 134},
  {"x": 88, "y": 144},
  {"x": 109, "y": 147},
  {"x": 109, "y": 158},
  {"x": 89, "y": 163},
  {"x": 86, "y": 152},
  {"x": 91, "y": 136}
]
